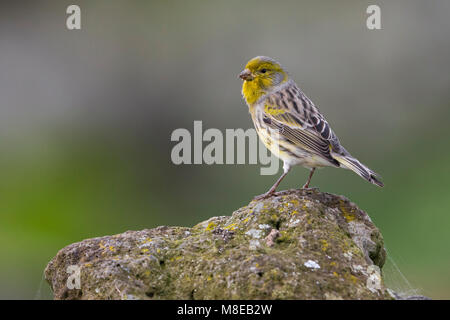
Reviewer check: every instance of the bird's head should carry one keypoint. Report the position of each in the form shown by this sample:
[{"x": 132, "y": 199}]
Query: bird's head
[{"x": 261, "y": 75}]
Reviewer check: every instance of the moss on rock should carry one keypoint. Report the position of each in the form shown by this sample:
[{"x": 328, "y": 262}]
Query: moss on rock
[{"x": 298, "y": 244}]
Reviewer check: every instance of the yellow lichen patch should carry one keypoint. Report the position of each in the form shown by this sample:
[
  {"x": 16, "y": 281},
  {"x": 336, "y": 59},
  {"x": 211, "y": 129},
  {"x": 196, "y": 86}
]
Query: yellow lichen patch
[
  {"x": 211, "y": 226},
  {"x": 178, "y": 242},
  {"x": 158, "y": 250},
  {"x": 335, "y": 274},
  {"x": 245, "y": 220},
  {"x": 231, "y": 226},
  {"x": 333, "y": 263},
  {"x": 294, "y": 212},
  {"x": 353, "y": 278},
  {"x": 88, "y": 265},
  {"x": 178, "y": 258},
  {"x": 325, "y": 244},
  {"x": 349, "y": 216},
  {"x": 283, "y": 237},
  {"x": 209, "y": 278},
  {"x": 147, "y": 273},
  {"x": 346, "y": 244},
  {"x": 106, "y": 248},
  {"x": 147, "y": 240},
  {"x": 295, "y": 202},
  {"x": 144, "y": 250}
]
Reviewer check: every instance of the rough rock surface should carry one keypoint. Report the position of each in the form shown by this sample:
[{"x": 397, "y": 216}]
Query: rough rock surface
[{"x": 299, "y": 244}]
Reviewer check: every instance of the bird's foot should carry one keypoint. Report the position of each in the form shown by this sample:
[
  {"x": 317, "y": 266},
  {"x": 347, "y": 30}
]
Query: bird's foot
[
  {"x": 305, "y": 186},
  {"x": 264, "y": 195},
  {"x": 308, "y": 188}
]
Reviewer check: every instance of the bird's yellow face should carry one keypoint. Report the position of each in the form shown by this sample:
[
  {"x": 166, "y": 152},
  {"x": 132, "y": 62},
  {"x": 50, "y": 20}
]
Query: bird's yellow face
[{"x": 261, "y": 75}]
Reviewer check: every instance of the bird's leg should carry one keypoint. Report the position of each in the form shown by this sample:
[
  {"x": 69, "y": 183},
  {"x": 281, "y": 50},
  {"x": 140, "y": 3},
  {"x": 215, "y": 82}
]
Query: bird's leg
[
  {"x": 271, "y": 190},
  {"x": 274, "y": 187},
  {"x": 306, "y": 185}
]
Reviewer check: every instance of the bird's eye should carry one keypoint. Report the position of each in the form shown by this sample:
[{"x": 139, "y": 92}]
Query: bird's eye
[{"x": 263, "y": 70}]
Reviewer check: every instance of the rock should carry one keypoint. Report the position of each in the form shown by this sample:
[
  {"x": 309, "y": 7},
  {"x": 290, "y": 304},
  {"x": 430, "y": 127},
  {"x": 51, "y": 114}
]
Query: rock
[{"x": 299, "y": 244}]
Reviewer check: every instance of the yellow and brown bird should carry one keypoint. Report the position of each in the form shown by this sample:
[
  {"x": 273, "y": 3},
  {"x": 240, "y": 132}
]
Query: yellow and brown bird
[{"x": 290, "y": 125}]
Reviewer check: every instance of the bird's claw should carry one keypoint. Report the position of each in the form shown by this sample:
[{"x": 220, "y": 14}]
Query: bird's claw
[
  {"x": 309, "y": 188},
  {"x": 264, "y": 196}
]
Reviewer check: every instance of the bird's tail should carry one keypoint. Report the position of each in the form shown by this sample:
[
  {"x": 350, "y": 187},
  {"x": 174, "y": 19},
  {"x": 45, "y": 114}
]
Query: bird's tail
[{"x": 353, "y": 164}]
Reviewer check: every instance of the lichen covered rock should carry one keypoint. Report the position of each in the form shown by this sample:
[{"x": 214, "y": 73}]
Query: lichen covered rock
[{"x": 299, "y": 244}]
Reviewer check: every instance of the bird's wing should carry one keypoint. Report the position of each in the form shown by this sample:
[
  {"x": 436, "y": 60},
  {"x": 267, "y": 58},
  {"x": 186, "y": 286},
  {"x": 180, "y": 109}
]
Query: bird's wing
[{"x": 298, "y": 120}]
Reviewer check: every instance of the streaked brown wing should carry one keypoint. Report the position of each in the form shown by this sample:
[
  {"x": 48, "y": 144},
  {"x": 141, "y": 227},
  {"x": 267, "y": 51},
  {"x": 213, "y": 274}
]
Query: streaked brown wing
[
  {"x": 298, "y": 136},
  {"x": 293, "y": 108}
]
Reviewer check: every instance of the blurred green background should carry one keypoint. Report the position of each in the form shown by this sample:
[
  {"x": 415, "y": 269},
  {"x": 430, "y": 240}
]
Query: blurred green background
[{"x": 86, "y": 118}]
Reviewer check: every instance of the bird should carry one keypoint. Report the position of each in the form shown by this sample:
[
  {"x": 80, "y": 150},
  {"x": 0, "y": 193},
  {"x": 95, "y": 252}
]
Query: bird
[{"x": 291, "y": 126}]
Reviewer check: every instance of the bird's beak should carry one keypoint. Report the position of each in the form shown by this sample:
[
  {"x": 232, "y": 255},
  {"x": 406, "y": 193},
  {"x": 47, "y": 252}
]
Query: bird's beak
[{"x": 246, "y": 75}]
